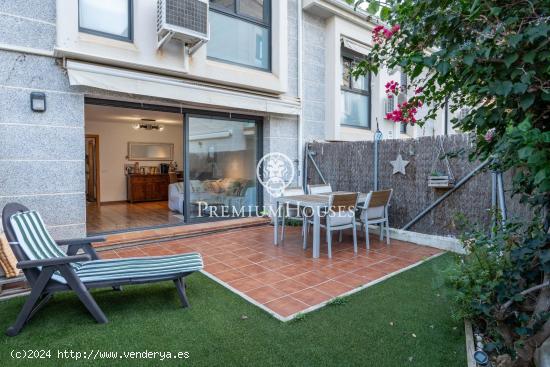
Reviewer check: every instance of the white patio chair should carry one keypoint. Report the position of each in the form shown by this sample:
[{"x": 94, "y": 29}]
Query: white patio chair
[
  {"x": 375, "y": 211},
  {"x": 292, "y": 211},
  {"x": 319, "y": 189},
  {"x": 340, "y": 216}
]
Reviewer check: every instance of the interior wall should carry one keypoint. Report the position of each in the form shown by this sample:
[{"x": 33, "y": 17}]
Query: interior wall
[{"x": 113, "y": 149}]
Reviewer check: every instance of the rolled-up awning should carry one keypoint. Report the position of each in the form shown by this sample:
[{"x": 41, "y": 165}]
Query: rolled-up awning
[
  {"x": 355, "y": 46},
  {"x": 152, "y": 85}
]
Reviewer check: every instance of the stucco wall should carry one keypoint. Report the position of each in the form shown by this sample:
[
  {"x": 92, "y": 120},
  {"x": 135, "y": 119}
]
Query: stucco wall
[{"x": 313, "y": 66}]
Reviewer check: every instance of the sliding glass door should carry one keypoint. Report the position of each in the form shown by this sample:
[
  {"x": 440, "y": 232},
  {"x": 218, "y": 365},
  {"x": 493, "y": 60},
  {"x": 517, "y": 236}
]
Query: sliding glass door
[{"x": 221, "y": 157}]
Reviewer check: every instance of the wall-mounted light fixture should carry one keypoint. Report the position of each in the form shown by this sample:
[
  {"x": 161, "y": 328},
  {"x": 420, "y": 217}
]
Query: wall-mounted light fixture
[
  {"x": 148, "y": 124},
  {"x": 38, "y": 101}
]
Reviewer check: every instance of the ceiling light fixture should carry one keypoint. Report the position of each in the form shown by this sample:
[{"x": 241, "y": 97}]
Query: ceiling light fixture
[{"x": 148, "y": 126}]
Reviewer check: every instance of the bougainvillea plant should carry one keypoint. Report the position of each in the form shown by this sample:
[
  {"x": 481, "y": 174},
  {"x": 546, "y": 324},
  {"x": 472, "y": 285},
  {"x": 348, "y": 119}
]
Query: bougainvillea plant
[{"x": 492, "y": 57}]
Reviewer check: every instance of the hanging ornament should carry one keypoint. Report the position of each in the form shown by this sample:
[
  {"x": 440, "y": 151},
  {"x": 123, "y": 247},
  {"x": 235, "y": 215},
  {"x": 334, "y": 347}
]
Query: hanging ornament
[{"x": 399, "y": 165}]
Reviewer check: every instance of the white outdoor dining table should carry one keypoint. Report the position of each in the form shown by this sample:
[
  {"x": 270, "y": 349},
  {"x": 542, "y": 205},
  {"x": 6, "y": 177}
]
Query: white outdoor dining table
[{"x": 316, "y": 203}]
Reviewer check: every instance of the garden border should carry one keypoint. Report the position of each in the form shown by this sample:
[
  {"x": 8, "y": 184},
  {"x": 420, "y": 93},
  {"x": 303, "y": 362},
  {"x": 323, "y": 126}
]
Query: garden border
[{"x": 322, "y": 304}]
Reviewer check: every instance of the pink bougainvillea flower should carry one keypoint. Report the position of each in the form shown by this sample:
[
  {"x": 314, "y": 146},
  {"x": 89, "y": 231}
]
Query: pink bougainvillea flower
[
  {"x": 388, "y": 33},
  {"x": 405, "y": 112},
  {"x": 490, "y": 135}
]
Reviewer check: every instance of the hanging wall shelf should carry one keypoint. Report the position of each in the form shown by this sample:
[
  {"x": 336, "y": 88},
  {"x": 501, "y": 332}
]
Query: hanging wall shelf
[{"x": 440, "y": 180}]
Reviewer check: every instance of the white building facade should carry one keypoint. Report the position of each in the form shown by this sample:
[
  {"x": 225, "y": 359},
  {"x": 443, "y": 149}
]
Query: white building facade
[{"x": 279, "y": 66}]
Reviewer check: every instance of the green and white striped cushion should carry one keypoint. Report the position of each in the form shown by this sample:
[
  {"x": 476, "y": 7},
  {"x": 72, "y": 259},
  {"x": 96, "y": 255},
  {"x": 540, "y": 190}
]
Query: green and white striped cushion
[
  {"x": 136, "y": 268},
  {"x": 36, "y": 242},
  {"x": 33, "y": 237}
]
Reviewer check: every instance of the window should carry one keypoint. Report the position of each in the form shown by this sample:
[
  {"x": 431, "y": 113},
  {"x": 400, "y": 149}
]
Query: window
[
  {"x": 355, "y": 94},
  {"x": 108, "y": 18},
  {"x": 240, "y": 32}
]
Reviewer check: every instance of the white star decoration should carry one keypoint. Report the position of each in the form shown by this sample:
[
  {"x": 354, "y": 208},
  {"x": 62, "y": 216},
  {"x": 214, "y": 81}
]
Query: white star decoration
[{"x": 399, "y": 165}]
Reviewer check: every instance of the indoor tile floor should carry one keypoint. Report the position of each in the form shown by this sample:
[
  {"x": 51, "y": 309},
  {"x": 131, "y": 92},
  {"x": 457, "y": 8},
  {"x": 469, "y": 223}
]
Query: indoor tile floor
[{"x": 285, "y": 279}]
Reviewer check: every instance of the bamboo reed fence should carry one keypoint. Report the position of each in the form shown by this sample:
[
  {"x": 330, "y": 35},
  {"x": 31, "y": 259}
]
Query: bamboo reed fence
[{"x": 349, "y": 166}]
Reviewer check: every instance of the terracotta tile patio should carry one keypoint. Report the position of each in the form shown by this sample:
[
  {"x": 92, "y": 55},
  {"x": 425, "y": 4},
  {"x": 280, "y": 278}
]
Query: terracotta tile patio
[{"x": 286, "y": 280}]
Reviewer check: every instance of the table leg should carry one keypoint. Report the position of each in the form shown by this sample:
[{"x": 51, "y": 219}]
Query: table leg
[
  {"x": 316, "y": 231},
  {"x": 276, "y": 224}
]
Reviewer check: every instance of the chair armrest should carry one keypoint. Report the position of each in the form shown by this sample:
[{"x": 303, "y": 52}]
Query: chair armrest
[
  {"x": 25, "y": 264},
  {"x": 81, "y": 241}
]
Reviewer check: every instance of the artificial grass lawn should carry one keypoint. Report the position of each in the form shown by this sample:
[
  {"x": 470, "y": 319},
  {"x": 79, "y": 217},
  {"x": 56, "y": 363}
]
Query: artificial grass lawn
[{"x": 355, "y": 333}]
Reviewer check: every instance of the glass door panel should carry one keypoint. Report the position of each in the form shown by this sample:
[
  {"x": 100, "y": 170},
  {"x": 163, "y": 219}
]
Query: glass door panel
[{"x": 222, "y": 155}]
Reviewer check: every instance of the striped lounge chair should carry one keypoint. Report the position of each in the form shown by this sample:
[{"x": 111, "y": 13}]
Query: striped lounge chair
[{"x": 49, "y": 269}]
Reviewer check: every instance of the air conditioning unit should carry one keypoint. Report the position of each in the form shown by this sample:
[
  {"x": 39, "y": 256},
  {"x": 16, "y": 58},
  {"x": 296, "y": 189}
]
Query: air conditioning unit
[{"x": 184, "y": 20}]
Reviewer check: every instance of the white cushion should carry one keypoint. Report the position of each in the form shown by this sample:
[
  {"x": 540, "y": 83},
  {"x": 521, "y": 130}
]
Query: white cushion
[
  {"x": 320, "y": 189},
  {"x": 372, "y": 213},
  {"x": 341, "y": 218}
]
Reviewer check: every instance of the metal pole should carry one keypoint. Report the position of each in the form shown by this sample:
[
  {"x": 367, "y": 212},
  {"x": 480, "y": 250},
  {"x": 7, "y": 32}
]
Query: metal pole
[
  {"x": 377, "y": 137},
  {"x": 445, "y": 195},
  {"x": 494, "y": 204},
  {"x": 375, "y": 165},
  {"x": 316, "y": 167},
  {"x": 501, "y": 198},
  {"x": 446, "y": 129},
  {"x": 304, "y": 167}
]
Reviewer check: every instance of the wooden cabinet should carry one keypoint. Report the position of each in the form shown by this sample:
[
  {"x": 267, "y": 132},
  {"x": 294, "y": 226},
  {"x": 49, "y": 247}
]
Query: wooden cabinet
[{"x": 147, "y": 187}]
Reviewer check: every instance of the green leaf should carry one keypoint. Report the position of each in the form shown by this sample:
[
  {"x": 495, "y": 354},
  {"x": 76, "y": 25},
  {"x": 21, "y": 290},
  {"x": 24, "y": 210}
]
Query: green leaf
[
  {"x": 385, "y": 13},
  {"x": 545, "y": 256},
  {"x": 526, "y": 101},
  {"x": 495, "y": 11},
  {"x": 510, "y": 59},
  {"x": 526, "y": 78},
  {"x": 502, "y": 88},
  {"x": 429, "y": 61},
  {"x": 373, "y": 7},
  {"x": 523, "y": 331},
  {"x": 443, "y": 67},
  {"x": 519, "y": 88},
  {"x": 525, "y": 125},
  {"x": 417, "y": 58},
  {"x": 525, "y": 152},
  {"x": 514, "y": 39},
  {"x": 469, "y": 59},
  {"x": 541, "y": 176},
  {"x": 529, "y": 57}
]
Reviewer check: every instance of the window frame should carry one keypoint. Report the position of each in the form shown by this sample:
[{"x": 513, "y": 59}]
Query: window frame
[
  {"x": 266, "y": 23},
  {"x": 129, "y": 38},
  {"x": 354, "y": 57}
]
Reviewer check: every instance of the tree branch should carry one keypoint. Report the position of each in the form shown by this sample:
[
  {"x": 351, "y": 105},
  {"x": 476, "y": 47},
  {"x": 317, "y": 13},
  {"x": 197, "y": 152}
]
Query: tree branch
[{"x": 503, "y": 308}]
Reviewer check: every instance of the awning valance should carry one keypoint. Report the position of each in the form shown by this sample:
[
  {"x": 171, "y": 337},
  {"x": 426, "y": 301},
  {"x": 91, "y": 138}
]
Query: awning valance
[
  {"x": 152, "y": 85},
  {"x": 355, "y": 46}
]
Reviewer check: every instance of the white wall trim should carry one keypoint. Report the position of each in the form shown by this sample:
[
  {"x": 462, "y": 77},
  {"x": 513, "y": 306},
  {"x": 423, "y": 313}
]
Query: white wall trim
[
  {"x": 26, "y": 50},
  {"x": 441, "y": 242}
]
